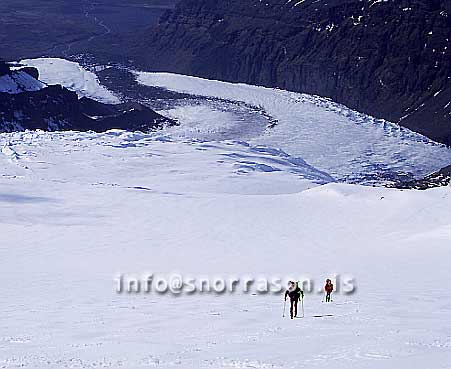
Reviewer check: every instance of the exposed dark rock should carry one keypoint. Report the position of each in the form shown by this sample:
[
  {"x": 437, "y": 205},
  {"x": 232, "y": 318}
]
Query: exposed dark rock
[
  {"x": 437, "y": 179},
  {"x": 56, "y": 108},
  {"x": 130, "y": 116},
  {"x": 50, "y": 108},
  {"x": 32, "y": 71},
  {"x": 4, "y": 68},
  {"x": 390, "y": 59}
]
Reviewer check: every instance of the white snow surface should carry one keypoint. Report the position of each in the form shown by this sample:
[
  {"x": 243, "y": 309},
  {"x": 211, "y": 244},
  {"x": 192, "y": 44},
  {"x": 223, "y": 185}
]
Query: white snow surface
[
  {"x": 72, "y": 76},
  {"x": 19, "y": 81},
  {"x": 76, "y": 209},
  {"x": 344, "y": 143}
]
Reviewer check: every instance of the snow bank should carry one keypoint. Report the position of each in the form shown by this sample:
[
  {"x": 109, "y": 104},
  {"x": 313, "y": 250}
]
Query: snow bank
[{"x": 72, "y": 76}]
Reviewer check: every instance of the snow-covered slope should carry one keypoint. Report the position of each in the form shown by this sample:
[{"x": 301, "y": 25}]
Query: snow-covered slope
[
  {"x": 19, "y": 81},
  {"x": 161, "y": 164},
  {"x": 76, "y": 209},
  {"x": 346, "y": 144},
  {"x": 72, "y": 76}
]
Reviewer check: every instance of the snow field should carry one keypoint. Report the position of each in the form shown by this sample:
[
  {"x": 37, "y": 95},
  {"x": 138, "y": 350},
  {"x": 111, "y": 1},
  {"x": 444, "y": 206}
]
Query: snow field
[{"x": 79, "y": 208}]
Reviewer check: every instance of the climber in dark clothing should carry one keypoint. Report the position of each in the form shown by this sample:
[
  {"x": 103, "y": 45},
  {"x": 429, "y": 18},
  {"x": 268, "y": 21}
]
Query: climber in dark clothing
[
  {"x": 329, "y": 287},
  {"x": 295, "y": 294}
]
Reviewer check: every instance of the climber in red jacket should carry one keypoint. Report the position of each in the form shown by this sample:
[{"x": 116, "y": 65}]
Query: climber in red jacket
[{"x": 329, "y": 287}]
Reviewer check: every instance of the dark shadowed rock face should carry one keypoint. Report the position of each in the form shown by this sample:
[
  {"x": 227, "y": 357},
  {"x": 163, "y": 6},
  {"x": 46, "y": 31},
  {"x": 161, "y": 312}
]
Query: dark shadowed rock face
[
  {"x": 390, "y": 59},
  {"x": 437, "y": 179},
  {"x": 4, "y": 69},
  {"x": 32, "y": 71},
  {"x": 50, "y": 108},
  {"x": 56, "y": 108},
  {"x": 130, "y": 116}
]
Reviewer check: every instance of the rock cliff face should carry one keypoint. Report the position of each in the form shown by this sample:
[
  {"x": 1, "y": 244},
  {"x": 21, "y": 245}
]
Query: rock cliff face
[
  {"x": 390, "y": 58},
  {"x": 30, "y": 104}
]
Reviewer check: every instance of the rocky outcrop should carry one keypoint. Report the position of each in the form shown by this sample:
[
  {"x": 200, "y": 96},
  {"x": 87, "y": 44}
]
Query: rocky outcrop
[
  {"x": 31, "y": 71},
  {"x": 55, "y": 108},
  {"x": 130, "y": 116},
  {"x": 437, "y": 179},
  {"x": 390, "y": 59},
  {"x": 50, "y": 108}
]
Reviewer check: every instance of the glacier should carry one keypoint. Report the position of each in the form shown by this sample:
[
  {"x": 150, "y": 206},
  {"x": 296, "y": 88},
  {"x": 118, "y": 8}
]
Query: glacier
[{"x": 79, "y": 208}]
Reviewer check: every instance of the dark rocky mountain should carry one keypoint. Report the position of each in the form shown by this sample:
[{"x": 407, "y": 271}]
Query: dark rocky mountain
[
  {"x": 56, "y": 108},
  {"x": 390, "y": 59}
]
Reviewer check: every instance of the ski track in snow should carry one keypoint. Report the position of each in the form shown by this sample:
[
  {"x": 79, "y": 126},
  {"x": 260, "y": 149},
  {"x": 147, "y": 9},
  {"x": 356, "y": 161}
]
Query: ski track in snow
[{"x": 78, "y": 208}]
